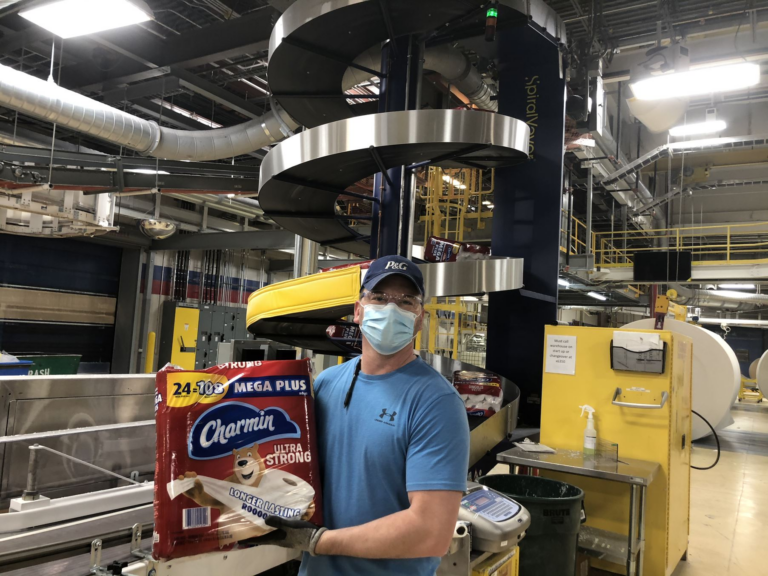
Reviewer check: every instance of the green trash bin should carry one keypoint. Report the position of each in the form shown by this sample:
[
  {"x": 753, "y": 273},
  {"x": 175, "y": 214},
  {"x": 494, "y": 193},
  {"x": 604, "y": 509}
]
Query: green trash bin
[
  {"x": 52, "y": 365},
  {"x": 549, "y": 546}
]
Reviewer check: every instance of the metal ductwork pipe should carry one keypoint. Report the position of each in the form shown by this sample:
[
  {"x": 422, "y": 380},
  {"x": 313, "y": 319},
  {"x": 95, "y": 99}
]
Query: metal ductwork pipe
[
  {"x": 449, "y": 62},
  {"x": 722, "y": 299},
  {"x": 47, "y": 101}
]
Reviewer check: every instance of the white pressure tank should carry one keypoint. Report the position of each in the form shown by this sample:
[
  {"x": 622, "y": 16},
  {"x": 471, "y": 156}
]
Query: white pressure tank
[
  {"x": 761, "y": 373},
  {"x": 716, "y": 373}
]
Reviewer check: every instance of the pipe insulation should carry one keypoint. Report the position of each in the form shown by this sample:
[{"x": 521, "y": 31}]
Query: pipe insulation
[
  {"x": 723, "y": 299},
  {"x": 447, "y": 61},
  {"x": 46, "y": 101}
]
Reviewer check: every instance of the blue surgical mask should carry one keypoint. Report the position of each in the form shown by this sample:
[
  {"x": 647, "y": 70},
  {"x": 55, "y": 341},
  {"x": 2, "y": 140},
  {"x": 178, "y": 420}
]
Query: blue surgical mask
[{"x": 388, "y": 328}]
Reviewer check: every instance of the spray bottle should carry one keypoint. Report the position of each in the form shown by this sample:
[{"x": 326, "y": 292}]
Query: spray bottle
[{"x": 590, "y": 434}]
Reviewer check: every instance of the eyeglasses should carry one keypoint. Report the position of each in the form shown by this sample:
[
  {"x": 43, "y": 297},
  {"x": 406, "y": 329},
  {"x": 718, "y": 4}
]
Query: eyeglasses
[{"x": 407, "y": 302}]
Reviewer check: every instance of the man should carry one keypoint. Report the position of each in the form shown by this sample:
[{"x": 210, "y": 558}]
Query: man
[{"x": 393, "y": 444}]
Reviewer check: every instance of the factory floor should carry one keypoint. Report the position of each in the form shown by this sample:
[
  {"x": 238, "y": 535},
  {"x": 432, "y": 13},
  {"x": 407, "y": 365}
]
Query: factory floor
[{"x": 729, "y": 504}]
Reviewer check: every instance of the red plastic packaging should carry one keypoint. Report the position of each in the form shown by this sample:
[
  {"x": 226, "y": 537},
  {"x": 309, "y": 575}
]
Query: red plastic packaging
[
  {"x": 235, "y": 443},
  {"x": 480, "y": 391},
  {"x": 444, "y": 250}
]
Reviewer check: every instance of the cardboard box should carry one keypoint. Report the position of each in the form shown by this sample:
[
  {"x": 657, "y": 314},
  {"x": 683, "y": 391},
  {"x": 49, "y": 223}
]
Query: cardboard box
[{"x": 501, "y": 564}]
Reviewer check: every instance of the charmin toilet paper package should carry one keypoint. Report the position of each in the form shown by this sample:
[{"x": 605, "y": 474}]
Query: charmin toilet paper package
[
  {"x": 480, "y": 391},
  {"x": 235, "y": 444}
]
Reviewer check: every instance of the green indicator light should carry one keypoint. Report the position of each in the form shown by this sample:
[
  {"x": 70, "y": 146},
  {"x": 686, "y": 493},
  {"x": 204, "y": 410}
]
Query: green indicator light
[{"x": 492, "y": 13}]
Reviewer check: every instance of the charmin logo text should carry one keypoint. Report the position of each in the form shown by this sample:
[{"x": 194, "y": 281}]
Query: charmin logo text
[{"x": 233, "y": 425}]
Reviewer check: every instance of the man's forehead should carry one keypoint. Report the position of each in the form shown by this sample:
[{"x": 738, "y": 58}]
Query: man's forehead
[{"x": 397, "y": 282}]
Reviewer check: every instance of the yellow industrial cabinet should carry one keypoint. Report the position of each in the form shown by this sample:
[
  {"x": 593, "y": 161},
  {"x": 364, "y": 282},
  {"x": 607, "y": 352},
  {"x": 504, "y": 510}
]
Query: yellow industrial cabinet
[
  {"x": 579, "y": 372},
  {"x": 179, "y": 345}
]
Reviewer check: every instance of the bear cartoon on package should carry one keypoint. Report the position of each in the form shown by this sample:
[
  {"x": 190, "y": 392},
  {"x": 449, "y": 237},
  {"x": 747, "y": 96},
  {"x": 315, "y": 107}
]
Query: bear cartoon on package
[{"x": 235, "y": 444}]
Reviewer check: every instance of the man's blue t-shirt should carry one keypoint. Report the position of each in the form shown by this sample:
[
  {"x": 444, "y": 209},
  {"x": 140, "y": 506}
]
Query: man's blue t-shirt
[{"x": 404, "y": 431}]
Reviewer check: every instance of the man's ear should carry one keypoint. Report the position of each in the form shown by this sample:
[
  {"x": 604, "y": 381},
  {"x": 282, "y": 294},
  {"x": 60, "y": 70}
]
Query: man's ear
[
  {"x": 419, "y": 323},
  {"x": 358, "y": 313}
]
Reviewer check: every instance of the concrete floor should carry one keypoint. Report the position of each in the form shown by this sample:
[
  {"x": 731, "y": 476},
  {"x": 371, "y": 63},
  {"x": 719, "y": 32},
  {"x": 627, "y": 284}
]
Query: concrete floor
[{"x": 729, "y": 504}]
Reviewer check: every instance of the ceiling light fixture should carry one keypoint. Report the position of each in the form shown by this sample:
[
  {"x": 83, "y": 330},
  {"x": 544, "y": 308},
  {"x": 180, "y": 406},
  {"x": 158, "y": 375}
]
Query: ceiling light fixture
[
  {"x": 696, "y": 82},
  {"x": 710, "y": 127},
  {"x": 147, "y": 171},
  {"x": 737, "y": 286},
  {"x": 72, "y": 18},
  {"x": 596, "y": 296}
]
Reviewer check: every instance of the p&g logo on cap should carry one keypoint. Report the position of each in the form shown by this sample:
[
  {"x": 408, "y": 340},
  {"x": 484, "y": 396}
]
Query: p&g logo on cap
[
  {"x": 234, "y": 425},
  {"x": 396, "y": 266}
]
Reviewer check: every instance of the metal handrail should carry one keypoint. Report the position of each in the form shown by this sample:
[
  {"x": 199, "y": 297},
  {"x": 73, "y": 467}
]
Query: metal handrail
[
  {"x": 729, "y": 245},
  {"x": 35, "y": 436}
]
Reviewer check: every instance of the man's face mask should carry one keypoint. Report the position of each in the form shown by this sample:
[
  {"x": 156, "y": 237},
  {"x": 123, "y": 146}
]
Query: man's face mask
[{"x": 388, "y": 328}]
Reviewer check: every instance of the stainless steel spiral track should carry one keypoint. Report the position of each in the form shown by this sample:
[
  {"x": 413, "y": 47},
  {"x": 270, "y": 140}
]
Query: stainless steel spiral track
[{"x": 311, "y": 47}]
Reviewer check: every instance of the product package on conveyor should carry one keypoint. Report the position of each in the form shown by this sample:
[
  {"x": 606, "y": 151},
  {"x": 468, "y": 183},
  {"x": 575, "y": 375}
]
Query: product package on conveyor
[
  {"x": 444, "y": 250},
  {"x": 480, "y": 391},
  {"x": 235, "y": 444}
]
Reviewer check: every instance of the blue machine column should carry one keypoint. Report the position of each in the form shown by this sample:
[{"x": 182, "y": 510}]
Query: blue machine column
[
  {"x": 526, "y": 216},
  {"x": 400, "y": 89}
]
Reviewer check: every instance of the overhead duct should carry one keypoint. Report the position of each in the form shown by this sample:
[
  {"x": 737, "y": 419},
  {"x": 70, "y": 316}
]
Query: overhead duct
[
  {"x": 723, "y": 299},
  {"x": 449, "y": 62},
  {"x": 47, "y": 101}
]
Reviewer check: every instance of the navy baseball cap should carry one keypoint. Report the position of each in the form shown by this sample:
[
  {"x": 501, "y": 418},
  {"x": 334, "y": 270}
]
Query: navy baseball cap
[{"x": 389, "y": 265}]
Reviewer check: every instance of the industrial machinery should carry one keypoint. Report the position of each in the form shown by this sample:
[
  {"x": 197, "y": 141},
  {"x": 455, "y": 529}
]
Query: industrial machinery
[
  {"x": 490, "y": 525},
  {"x": 641, "y": 394},
  {"x": 191, "y": 335},
  {"x": 302, "y": 184}
]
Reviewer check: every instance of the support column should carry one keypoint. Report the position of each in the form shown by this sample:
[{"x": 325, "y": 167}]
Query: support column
[
  {"x": 527, "y": 212},
  {"x": 127, "y": 313},
  {"x": 402, "y": 58},
  {"x": 147, "y": 301}
]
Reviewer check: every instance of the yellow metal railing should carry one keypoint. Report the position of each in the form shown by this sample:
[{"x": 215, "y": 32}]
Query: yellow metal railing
[
  {"x": 576, "y": 242},
  {"x": 454, "y": 198},
  {"x": 712, "y": 244}
]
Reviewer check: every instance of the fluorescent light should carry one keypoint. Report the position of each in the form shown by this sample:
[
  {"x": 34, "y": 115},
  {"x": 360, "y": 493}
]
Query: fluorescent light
[
  {"x": 456, "y": 183},
  {"x": 742, "y": 321},
  {"x": 486, "y": 202},
  {"x": 698, "y": 128},
  {"x": 737, "y": 286},
  {"x": 695, "y": 82},
  {"x": 563, "y": 282},
  {"x": 230, "y": 195},
  {"x": 146, "y": 171},
  {"x": 471, "y": 299},
  {"x": 586, "y": 142},
  {"x": 71, "y": 18},
  {"x": 596, "y": 296}
]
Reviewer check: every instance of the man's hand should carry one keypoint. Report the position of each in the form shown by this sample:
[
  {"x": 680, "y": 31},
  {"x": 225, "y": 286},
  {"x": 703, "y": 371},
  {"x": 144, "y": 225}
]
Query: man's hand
[{"x": 295, "y": 534}]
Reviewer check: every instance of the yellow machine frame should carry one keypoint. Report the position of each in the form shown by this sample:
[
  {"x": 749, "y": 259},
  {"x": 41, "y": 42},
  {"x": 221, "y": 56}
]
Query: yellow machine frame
[
  {"x": 749, "y": 391},
  {"x": 658, "y": 435}
]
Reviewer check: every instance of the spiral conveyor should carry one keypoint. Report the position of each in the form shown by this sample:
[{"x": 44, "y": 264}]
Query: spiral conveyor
[{"x": 311, "y": 47}]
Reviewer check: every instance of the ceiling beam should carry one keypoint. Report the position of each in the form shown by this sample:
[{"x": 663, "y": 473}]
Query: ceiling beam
[
  {"x": 216, "y": 93},
  {"x": 65, "y": 157},
  {"x": 102, "y": 179},
  {"x": 150, "y": 88},
  {"x": 255, "y": 240},
  {"x": 145, "y": 56},
  {"x": 157, "y": 111}
]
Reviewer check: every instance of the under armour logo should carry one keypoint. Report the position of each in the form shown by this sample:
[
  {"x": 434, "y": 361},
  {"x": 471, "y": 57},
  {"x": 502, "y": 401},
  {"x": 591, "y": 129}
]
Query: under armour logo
[
  {"x": 398, "y": 265},
  {"x": 391, "y": 416}
]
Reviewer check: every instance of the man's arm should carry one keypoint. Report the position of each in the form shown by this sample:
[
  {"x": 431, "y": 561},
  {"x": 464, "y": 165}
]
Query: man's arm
[{"x": 424, "y": 529}]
